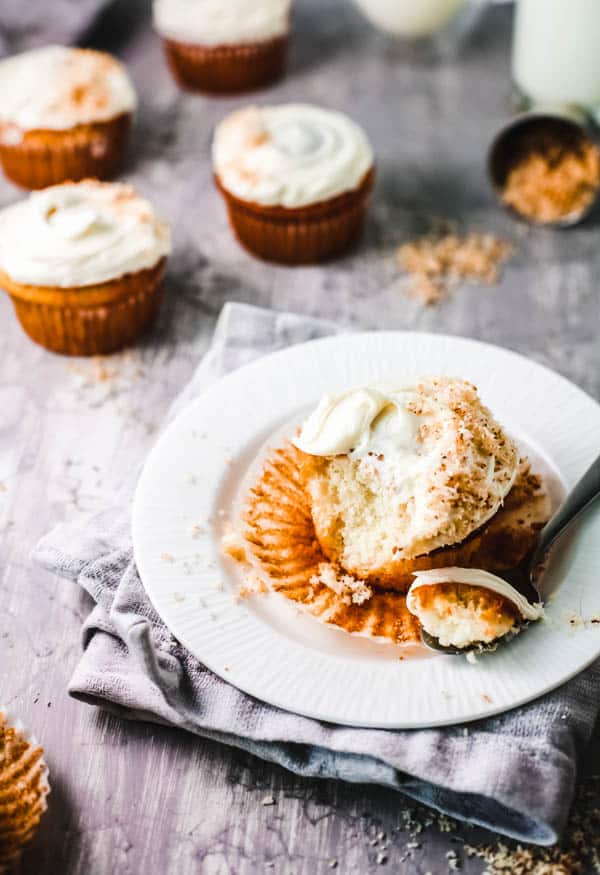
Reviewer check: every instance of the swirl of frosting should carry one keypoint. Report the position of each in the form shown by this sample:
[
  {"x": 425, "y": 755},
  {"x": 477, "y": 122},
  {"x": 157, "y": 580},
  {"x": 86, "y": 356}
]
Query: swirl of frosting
[
  {"x": 290, "y": 155},
  {"x": 80, "y": 234},
  {"x": 215, "y": 22},
  {"x": 57, "y": 88}
]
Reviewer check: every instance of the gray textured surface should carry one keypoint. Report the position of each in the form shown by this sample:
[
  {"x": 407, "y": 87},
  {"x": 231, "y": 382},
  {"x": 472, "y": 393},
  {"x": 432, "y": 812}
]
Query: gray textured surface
[{"x": 129, "y": 798}]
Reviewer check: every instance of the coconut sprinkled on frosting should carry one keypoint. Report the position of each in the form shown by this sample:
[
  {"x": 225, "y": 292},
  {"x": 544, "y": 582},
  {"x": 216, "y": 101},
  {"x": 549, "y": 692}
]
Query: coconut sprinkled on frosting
[
  {"x": 221, "y": 22},
  {"x": 411, "y": 468},
  {"x": 80, "y": 234},
  {"x": 57, "y": 88},
  {"x": 290, "y": 155}
]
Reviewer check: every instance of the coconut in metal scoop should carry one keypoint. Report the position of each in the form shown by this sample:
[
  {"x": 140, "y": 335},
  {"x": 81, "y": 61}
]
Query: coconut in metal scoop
[{"x": 544, "y": 166}]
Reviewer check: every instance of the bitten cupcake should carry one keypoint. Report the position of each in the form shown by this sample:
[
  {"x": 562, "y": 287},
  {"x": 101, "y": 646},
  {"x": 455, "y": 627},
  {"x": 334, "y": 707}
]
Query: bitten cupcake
[
  {"x": 65, "y": 114},
  {"x": 296, "y": 180},
  {"x": 220, "y": 47},
  {"x": 83, "y": 263}
]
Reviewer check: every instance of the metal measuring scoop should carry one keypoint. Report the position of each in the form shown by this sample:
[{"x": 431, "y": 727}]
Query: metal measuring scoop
[
  {"x": 568, "y": 125},
  {"x": 524, "y": 576}
]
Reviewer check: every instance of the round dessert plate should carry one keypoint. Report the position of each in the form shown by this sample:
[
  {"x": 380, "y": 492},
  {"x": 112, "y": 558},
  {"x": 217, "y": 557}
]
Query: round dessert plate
[{"x": 187, "y": 496}]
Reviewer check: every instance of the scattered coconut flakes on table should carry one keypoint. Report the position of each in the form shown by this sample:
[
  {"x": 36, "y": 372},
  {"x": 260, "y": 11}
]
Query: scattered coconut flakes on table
[
  {"x": 437, "y": 263},
  {"x": 578, "y": 852}
]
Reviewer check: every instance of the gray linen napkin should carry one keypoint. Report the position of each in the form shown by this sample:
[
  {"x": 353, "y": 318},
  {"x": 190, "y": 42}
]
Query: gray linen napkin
[{"x": 514, "y": 774}]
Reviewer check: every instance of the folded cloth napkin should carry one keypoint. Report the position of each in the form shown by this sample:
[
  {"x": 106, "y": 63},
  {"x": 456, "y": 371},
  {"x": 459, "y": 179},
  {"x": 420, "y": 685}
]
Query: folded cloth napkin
[{"x": 514, "y": 774}]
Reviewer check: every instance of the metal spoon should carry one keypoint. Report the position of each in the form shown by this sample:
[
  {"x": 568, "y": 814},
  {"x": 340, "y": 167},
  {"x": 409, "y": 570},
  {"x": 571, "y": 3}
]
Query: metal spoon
[{"x": 523, "y": 576}]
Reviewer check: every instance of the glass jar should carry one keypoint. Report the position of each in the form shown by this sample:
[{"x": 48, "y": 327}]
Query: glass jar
[
  {"x": 407, "y": 18},
  {"x": 438, "y": 24}
]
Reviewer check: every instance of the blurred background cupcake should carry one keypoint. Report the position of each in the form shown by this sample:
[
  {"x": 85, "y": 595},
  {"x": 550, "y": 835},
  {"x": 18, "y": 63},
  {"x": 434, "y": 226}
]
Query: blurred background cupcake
[
  {"x": 221, "y": 47},
  {"x": 23, "y": 789},
  {"x": 65, "y": 114},
  {"x": 83, "y": 263},
  {"x": 296, "y": 180}
]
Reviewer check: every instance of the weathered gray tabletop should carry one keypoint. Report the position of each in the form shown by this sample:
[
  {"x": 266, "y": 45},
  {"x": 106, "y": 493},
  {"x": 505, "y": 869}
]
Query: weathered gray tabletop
[{"x": 130, "y": 798}]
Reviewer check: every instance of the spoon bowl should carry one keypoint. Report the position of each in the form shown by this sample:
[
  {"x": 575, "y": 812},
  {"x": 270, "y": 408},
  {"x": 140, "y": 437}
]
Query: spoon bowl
[{"x": 523, "y": 577}]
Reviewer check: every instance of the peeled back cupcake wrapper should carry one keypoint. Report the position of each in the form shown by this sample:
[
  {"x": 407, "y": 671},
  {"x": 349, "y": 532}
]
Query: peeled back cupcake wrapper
[{"x": 280, "y": 532}]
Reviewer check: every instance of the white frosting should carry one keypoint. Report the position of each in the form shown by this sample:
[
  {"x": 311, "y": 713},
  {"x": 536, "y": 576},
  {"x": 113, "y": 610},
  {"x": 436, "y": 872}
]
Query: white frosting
[
  {"x": 221, "y": 22},
  {"x": 80, "y": 234},
  {"x": 290, "y": 155},
  {"x": 474, "y": 577},
  {"x": 341, "y": 423},
  {"x": 361, "y": 421},
  {"x": 57, "y": 88}
]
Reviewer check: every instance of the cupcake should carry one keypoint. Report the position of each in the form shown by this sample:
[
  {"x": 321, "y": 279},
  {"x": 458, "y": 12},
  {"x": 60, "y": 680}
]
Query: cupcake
[
  {"x": 398, "y": 472},
  {"x": 221, "y": 47},
  {"x": 83, "y": 263},
  {"x": 65, "y": 114},
  {"x": 296, "y": 180},
  {"x": 382, "y": 484},
  {"x": 23, "y": 789}
]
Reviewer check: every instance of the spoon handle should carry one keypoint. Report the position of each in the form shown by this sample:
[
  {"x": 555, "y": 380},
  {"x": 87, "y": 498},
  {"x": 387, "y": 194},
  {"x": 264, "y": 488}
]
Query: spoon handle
[{"x": 583, "y": 493}]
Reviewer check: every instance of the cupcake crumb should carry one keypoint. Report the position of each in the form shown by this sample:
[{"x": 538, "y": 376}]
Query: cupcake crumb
[
  {"x": 253, "y": 585},
  {"x": 234, "y": 546},
  {"x": 268, "y": 800}
]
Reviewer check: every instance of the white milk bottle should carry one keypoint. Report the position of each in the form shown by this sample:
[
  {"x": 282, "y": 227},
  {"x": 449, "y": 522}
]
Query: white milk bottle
[{"x": 556, "y": 52}]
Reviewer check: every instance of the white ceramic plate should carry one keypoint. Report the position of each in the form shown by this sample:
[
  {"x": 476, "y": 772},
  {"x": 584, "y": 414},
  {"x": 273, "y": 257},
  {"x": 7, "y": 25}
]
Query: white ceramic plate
[{"x": 261, "y": 644}]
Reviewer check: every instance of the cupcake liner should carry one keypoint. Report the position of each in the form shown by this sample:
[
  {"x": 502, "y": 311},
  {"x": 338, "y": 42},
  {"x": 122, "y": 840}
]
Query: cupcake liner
[
  {"x": 301, "y": 235},
  {"x": 23, "y": 788},
  {"x": 91, "y": 320},
  {"x": 281, "y": 538},
  {"x": 44, "y": 157},
  {"x": 227, "y": 69}
]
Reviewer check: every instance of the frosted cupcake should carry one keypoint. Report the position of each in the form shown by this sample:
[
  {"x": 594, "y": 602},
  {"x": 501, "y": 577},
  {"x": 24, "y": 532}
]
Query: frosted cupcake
[
  {"x": 296, "y": 180},
  {"x": 65, "y": 114},
  {"x": 224, "y": 47},
  {"x": 391, "y": 482},
  {"x": 83, "y": 263},
  {"x": 23, "y": 789}
]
